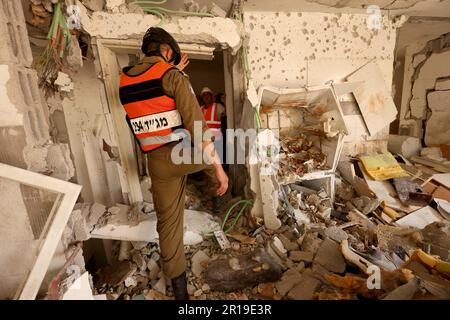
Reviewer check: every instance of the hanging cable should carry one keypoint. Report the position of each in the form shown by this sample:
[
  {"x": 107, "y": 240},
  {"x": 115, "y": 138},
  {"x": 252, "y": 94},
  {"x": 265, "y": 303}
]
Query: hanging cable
[{"x": 230, "y": 209}]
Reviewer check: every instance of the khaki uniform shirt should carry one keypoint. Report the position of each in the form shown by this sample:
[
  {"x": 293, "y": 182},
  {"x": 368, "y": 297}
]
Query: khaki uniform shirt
[{"x": 176, "y": 85}]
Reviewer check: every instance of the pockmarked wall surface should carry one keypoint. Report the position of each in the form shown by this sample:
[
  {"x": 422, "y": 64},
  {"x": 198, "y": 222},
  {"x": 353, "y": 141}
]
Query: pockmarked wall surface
[{"x": 295, "y": 49}]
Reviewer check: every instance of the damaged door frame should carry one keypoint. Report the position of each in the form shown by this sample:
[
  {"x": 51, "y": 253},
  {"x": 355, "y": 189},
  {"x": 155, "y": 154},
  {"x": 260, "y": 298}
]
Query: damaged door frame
[
  {"x": 105, "y": 52},
  {"x": 56, "y": 221}
]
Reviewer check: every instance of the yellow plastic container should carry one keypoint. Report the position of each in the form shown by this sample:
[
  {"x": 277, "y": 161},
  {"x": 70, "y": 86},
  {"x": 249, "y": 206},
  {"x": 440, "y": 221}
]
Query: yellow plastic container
[{"x": 382, "y": 167}]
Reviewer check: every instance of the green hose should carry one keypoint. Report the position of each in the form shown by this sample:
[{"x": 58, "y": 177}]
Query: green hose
[{"x": 246, "y": 203}]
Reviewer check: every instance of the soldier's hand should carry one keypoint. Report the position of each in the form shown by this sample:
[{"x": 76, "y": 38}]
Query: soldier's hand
[
  {"x": 184, "y": 62},
  {"x": 222, "y": 178}
]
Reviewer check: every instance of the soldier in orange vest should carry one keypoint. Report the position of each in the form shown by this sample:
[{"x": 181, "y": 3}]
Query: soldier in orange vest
[{"x": 159, "y": 103}]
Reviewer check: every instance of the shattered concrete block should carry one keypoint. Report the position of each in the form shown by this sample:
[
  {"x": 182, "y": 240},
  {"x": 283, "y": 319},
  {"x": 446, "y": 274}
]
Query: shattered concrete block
[
  {"x": 289, "y": 279},
  {"x": 305, "y": 256},
  {"x": 442, "y": 84},
  {"x": 64, "y": 82},
  {"x": 318, "y": 272},
  {"x": 336, "y": 234},
  {"x": 288, "y": 244},
  {"x": 274, "y": 255},
  {"x": 311, "y": 243},
  {"x": 305, "y": 289},
  {"x": 437, "y": 129},
  {"x": 254, "y": 268},
  {"x": 139, "y": 260},
  {"x": 161, "y": 285},
  {"x": 439, "y": 101},
  {"x": 436, "y": 238},
  {"x": 191, "y": 289},
  {"x": 80, "y": 229},
  {"x": 206, "y": 288},
  {"x": 330, "y": 257},
  {"x": 277, "y": 245},
  {"x": 153, "y": 268},
  {"x": 96, "y": 211},
  {"x": 300, "y": 267},
  {"x": 59, "y": 161},
  {"x": 198, "y": 260}
]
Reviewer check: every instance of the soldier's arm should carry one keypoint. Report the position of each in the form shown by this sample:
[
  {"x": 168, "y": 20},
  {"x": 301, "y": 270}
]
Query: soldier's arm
[{"x": 177, "y": 85}]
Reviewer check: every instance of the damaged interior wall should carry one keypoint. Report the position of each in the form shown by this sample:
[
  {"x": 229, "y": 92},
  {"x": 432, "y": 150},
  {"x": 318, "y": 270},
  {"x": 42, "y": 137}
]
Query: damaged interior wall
[
  {"x": 25, "y": 126},
  {"x": 423, "y": 57},
  {"x": 298, "y": 49}
]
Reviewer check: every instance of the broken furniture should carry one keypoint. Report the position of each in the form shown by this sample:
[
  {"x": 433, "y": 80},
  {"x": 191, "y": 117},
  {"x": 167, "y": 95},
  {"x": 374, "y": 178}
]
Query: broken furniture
[{"x": 310, "y": 127}]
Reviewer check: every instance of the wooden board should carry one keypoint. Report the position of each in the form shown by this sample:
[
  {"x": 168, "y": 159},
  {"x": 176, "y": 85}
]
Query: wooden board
[{"x": 373, "y": 97}]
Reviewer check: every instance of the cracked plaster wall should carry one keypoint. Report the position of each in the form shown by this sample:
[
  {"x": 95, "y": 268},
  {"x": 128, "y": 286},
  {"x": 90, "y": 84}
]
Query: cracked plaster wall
[
  {"x": 425, "y": 110},
  {"x": 425, "y": 106},
  {"x": 223, "y": 31}
]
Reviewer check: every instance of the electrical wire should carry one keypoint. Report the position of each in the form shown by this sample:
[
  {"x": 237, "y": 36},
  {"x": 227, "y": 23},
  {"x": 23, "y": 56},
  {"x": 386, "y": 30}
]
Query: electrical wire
[{"x": 230, "y": 209}]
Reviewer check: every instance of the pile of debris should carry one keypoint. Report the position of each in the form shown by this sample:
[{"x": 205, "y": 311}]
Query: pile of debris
[
  {"x": 380, "y": 235},
  {"x": 299, "y": 156}
]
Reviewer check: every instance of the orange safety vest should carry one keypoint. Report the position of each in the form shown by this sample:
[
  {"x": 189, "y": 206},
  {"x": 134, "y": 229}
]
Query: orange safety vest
[
  {"x": 151, "y": 114},
  {"x": 212, "y": 116}
]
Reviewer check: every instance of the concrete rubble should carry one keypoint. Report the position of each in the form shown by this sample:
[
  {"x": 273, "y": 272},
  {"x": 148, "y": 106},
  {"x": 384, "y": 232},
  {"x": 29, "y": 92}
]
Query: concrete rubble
[{"x": 322, "y": 226}]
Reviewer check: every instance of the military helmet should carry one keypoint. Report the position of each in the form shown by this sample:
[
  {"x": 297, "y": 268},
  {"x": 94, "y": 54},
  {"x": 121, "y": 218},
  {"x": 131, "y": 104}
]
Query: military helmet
[{"x": 159, "y": 35}]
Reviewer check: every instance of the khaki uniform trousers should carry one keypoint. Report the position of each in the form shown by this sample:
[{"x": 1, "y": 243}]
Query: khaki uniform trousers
[{"x": 168, "y": 190}]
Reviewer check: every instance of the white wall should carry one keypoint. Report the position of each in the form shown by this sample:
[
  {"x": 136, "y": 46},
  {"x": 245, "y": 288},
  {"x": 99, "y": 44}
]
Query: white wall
[{"x": 298, "y": 49}]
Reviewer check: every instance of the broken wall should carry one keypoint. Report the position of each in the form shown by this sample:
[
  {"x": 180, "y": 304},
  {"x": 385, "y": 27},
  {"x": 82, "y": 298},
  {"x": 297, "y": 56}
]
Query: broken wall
[
  {"x": 297, "y": 49},
  {"x": 425, "y": 111}
]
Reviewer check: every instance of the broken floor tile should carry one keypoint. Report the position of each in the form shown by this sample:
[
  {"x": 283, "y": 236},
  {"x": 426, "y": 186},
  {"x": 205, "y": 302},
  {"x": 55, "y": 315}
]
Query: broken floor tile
[
  {"x": 251, "y": 269},
  {"x": 330, "y": 257},
  {"x": 305, "y": 289}
]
